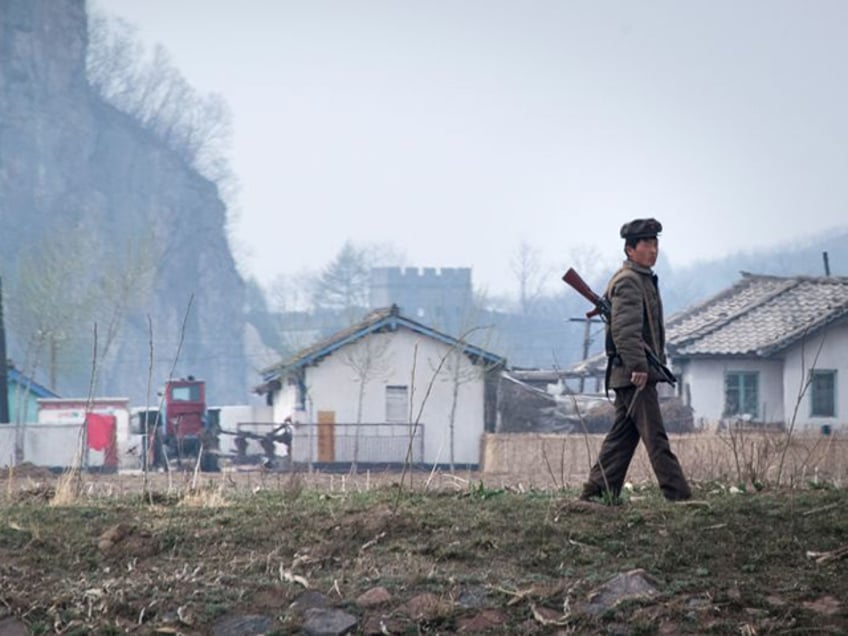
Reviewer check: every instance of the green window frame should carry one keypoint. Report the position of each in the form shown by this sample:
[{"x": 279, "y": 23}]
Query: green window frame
[
  {"x": 741, "y": 393},
  {"x": 823, "y": 393}
]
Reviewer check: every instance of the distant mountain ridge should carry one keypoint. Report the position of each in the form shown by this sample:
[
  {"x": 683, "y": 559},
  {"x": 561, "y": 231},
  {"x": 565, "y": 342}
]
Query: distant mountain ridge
[{"x": 683, "y": 286}]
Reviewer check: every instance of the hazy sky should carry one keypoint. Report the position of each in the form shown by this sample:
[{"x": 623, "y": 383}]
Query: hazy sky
[{"x": 455, "y": 129}]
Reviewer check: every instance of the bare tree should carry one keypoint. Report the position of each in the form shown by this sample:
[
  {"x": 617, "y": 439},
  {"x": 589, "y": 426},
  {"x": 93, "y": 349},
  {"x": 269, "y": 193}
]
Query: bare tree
[
  {"x": 51, "y": 301},
  {"x": 153, "y": 92},
  {"x": 61, "y": 288},
  {"x": 530, "y": 274},
  {"x": 367, "y": 359},
  {"x": 456, "y": 367},
  {"x": 124, "y": 286},
  {"x": 288, "y": 293},
  {"x": 344, "y": 284},
  {"x": 589, "y": 263}
]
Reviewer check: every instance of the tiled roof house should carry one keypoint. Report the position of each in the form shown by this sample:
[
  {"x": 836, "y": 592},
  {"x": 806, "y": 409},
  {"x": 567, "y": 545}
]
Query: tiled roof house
[
  {"x": 759, "y": 348},
  {"x": 354, "y": 395},
  {"x": 763, "y": 346}
]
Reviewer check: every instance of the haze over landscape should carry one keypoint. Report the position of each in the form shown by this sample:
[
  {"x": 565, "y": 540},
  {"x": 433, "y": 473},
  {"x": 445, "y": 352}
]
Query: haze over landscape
[{"x": 455, "y": 130}]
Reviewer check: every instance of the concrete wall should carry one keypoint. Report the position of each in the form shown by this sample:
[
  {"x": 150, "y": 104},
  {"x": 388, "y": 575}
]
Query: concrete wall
[
  {"x": 51, "y": 445},
  {"x": 23, "y": 404},
  {"x": 827, "y": 350},
  {"x": 71, "y": 412},
  {"x": 782, "y": 380},
  {"x": 437, "y": 297},
  {"x": 703, "y": 381},
  {"x": 547, "y": 460},
  {"x": 54, "y": 440}
]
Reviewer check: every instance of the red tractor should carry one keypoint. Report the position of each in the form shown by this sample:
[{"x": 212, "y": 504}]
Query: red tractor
[{"x": 181, "y": 430}]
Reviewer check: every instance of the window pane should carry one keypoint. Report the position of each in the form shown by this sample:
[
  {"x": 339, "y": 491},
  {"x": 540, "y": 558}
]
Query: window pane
[
  {"x": 823, "y": 394},
  {"x": 189, "y": 393},
  {"x": 741, "y": 393},
  {"x": 397, "y": 403},
  {"x": 731, "y": 394},
  {"x": 752, "y": 398}
]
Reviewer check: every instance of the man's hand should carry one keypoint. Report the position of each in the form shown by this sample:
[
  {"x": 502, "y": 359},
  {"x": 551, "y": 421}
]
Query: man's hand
[{"x": 639, "y": 379}]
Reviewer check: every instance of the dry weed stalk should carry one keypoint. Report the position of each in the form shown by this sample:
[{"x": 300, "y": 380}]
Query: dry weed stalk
[
  {"x": 212, "y": 497},
  {"x": 752, "y": 451},
  {"x": 151, "y": 440},
  {"x": 147, "y": 444},
  {"x": 585, "y": 431},
  {"x": 757, "y": 453},
  {"x": 806, "y": 381},
  {"x": 831, "y": 555},
  {"x": 10, "y": 481},
  {"x": 293, "y": 486},
  {"x": 415, "y": 423},
  {"x": 69, "y": 484}
]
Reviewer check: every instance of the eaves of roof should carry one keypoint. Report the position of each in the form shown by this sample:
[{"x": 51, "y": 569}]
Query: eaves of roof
[
  {"x": 381, "y": 320},
  {"x": 759, "y": 316},
  {"x": 723, "y": 308},
  {"x": 27, "y": 383}
]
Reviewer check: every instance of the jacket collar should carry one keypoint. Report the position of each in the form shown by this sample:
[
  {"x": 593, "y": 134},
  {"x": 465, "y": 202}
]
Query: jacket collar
[{"x": 628, "y": 264}]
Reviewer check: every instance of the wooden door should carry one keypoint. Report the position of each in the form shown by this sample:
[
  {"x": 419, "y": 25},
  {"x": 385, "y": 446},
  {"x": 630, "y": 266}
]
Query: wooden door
[{"x": 326, "y": 436}]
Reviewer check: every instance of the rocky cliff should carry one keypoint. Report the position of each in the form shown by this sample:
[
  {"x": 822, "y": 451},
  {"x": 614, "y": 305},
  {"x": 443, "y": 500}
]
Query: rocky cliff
[{"x": 72, "y": 164}]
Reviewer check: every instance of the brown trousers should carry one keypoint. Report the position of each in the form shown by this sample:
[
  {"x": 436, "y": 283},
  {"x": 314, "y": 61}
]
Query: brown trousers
[{"x": 645, "y": 423}]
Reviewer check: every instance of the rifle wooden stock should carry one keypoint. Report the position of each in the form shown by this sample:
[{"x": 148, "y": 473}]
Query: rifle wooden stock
[
  {"x": 574, "y": 279},
  {"x": 579, "y": 285}
]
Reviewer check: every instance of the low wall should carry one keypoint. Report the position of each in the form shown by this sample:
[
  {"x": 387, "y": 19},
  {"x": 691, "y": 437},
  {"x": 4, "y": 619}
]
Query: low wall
[
  {"x": 48, "y": 445},
  {"x": 550, "y": 461}
]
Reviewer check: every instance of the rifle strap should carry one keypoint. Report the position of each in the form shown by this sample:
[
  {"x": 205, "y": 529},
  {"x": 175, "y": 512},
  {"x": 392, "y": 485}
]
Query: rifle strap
[{"x": 650, "y": 318}]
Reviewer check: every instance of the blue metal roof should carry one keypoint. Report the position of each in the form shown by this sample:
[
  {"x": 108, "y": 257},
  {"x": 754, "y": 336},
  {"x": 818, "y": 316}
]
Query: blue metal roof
[{"x": 13, "y": 375}]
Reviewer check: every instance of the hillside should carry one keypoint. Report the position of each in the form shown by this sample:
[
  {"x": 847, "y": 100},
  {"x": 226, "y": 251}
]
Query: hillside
[{"x": 108, "y": 226}]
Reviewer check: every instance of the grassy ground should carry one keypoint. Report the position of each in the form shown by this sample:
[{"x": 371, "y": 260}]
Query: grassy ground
[{"x": 481, "y": 558}]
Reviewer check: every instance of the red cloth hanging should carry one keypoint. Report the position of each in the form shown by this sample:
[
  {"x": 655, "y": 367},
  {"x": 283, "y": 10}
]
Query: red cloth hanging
[{"x": 100, "y": 431}]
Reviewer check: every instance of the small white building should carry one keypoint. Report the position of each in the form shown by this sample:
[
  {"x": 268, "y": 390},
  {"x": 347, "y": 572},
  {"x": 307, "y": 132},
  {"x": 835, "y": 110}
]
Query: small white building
[
  {"x": 769, "y": 349},
  {"x": 386, "y": 391},
  {"x": 97, "y": 429}
]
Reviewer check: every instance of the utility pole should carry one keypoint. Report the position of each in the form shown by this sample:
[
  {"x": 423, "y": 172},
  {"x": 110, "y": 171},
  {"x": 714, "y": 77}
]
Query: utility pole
[
  {"x": 4, "y": 365},
  {"x": 587, "y": 340}
]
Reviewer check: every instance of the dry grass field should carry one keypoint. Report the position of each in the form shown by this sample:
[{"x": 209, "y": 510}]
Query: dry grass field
[
  {"x": 738, "y": 457},
  {"x": 427, "y": 552}
]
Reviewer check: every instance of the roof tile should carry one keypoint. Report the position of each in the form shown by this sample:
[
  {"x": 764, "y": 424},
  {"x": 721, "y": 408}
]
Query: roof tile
[{"x": 757, "y": 316}]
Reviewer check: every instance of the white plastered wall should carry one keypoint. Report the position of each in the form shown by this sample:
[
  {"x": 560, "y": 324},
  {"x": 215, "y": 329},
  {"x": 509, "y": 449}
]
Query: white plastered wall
[
  {"x": 334, "y": 384},
  {"x": 826, "y": 350},
  {"x": 705, "y": 380}
]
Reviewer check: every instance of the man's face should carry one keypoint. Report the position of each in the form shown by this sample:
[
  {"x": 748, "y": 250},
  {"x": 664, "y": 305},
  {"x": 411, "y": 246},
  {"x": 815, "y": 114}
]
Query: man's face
[{"x": 645, "y": 253}]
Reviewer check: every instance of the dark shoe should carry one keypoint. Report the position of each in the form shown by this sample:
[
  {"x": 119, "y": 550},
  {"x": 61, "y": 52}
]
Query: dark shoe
[
  {"x": 590, "y": 493},
  {"x": 679, "y": 498}
]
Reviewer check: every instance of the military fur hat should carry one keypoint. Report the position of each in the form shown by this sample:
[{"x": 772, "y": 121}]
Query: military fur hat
[{"x": 641, "y": 228}]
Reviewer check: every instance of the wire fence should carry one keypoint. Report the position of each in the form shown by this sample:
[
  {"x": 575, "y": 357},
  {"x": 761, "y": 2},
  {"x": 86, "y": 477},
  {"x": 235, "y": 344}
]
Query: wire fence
[{"x": 380, "y": 443}]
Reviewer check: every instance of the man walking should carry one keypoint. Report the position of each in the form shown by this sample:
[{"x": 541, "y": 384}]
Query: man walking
[{"x": 636, "y": 326}]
